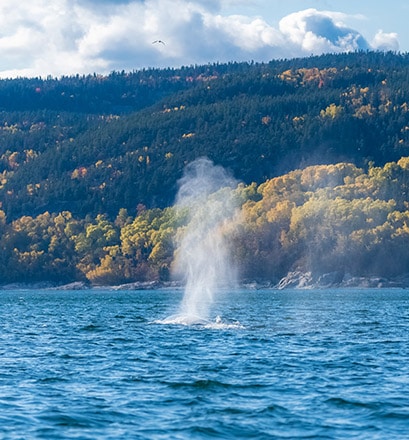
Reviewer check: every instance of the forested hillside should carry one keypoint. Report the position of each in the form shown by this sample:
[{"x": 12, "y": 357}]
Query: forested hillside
[
  {"x": 89, "y": 166},
  {"x": 98, "y": 144},
  {"x": 321, "y": 219}
]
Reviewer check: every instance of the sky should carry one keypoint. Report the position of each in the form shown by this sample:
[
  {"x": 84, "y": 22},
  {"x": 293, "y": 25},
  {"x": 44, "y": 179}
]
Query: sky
[{"x": 39, "y": 38}]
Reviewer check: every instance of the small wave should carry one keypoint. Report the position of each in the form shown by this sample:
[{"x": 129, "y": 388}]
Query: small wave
[
  {"x": 92, "y": 328},
  {"x": 52, "y": 379},
  {"x": 189, "y": 320},
  {"x": 203, "y": 384},
  {"x": 219, "y": 324},
  {"x": 341, "y": 402}
]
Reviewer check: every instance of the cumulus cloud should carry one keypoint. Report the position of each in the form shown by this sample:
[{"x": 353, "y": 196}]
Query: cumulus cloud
[
  {"x": 385, "y": 41},
  {"x": 321, "y": 31},
  {"x": 65, "y": 37}
]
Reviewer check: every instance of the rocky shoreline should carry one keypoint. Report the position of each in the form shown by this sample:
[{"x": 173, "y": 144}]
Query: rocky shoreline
[
  {"x": 307, "y": 280},
  {"x": 293, "y": 280},
  {"x": 82, "y": 285}
]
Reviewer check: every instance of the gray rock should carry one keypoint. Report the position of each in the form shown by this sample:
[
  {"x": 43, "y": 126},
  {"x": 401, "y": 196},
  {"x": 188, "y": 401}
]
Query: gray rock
[
  {"x": 77, "y": 285},
  {"x": 296, "y": 280}
]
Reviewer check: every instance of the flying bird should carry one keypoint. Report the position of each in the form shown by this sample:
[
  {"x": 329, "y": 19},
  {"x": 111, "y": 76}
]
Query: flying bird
[{"x": 158, "y": 41}]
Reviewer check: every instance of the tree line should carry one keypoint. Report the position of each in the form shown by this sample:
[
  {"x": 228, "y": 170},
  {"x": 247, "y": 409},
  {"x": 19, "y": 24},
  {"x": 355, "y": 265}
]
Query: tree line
[
  {"x": 257, "y": 120},
  {"x": 89, "y": 167},
  {"x": 320, "y": 218}
]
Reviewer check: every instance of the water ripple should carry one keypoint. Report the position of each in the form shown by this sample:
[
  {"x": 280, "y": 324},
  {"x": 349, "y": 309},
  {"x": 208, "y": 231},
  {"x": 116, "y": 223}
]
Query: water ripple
[{"x": 269, "y": 365}]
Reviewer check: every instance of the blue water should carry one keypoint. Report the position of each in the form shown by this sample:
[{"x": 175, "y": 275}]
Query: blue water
[{"x": 275, "y": 365}]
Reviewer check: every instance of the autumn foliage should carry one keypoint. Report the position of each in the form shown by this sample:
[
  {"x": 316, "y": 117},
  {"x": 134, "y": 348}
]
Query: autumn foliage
[
  {"x": 321, "y": 218},
  {"x": 89, "y": 167}
]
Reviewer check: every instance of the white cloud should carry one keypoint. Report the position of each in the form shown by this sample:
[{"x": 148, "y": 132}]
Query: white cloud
[
  {"x": 244, "y": 33},
  {"x": 385, "y": 41},
  {"x": 313, "y": 31},
  {"x": 85, "y": 36}
]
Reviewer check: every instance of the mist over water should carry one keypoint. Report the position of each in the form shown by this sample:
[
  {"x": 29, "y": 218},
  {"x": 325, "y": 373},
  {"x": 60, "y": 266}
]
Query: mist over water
[{"x": 203, "y": 257}]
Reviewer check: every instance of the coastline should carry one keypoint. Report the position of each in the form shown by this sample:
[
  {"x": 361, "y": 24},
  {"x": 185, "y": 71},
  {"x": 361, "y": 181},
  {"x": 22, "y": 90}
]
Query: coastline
[{"x": 293, "y": 280}]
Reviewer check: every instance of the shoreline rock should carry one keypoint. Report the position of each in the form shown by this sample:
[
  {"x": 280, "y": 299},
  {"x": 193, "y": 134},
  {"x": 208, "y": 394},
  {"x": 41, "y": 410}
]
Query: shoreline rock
[
  {"x": 338, "y": 279},
  {"x": 293, "y": 280},
  {"x": 296, "y": 280},
  {"x": 146, "y": 285}
]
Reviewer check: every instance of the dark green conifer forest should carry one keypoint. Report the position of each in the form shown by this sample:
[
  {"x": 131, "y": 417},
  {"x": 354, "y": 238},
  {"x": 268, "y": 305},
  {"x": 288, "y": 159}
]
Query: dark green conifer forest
[{"x": 89, "y": 167}]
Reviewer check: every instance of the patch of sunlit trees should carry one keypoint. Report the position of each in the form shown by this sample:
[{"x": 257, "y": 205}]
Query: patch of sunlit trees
[{"x": 322, "y": 218}]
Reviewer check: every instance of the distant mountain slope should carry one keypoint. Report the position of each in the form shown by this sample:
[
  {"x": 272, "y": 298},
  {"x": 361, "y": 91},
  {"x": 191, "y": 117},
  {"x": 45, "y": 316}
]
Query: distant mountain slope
[{"x": 97, "y": 144}]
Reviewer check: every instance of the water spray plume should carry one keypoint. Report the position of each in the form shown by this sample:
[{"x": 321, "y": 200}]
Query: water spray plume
[{"x": 203, "y": 256}]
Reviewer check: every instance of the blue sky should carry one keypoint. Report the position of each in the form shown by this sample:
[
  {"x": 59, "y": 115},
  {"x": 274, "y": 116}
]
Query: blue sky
[{"x": 65, "y": 37}]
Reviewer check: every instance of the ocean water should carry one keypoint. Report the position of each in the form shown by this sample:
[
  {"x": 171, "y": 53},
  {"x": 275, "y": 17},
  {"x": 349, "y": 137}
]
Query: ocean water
[{"x": 103, "y": 364}]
